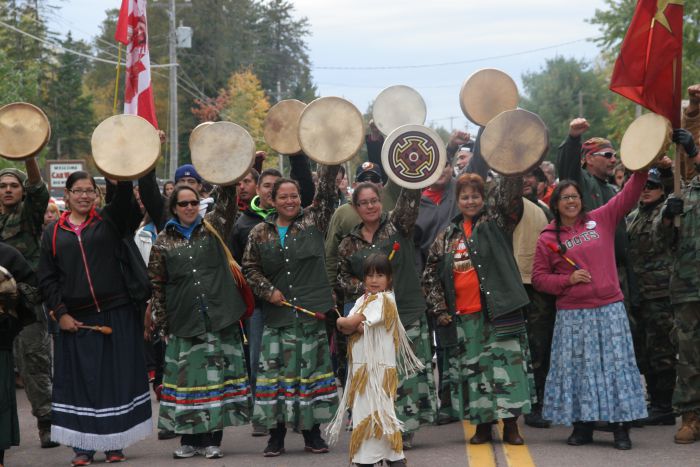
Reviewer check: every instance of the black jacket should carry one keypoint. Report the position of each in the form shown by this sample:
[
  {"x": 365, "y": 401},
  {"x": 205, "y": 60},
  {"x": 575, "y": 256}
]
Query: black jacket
[
  {"x": 12, "y": 260},
  {"x": 83, "y": 274}
]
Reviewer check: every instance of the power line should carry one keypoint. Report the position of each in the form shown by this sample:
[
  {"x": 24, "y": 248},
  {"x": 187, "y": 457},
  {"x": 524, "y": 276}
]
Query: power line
[{"x": 461, "y": 62}]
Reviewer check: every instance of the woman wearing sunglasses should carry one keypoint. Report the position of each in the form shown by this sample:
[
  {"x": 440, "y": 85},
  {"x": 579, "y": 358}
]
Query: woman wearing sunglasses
[
  {"x": 197, "y": 306},
  {"x": 593, "y": 374}
]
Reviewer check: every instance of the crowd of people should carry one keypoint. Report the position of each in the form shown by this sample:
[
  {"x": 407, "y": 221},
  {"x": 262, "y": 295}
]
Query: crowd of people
[{"x": 290, "y": 303}]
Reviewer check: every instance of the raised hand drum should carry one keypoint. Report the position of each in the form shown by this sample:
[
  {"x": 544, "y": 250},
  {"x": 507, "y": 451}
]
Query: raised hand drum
[
  {"x": 222, "y": 152},
  {"x": 125, "y": 147},
  {"x": 396, "y": 106},
  {"x": 645, "y": 141},
  {"x": 24, "y": 130},
  {"x": 281, "y": 126},
  {"x": 414, "y": 156},
  {"x": 514, "y": 142},
  {"x": 487, "y": 93},
  {"x": 331, "y": 130}
]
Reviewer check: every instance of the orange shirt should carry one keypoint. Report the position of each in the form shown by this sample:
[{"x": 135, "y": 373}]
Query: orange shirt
[{"x": 467, "y": 291}]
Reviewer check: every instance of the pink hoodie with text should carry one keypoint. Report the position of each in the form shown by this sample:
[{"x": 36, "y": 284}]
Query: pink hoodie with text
[{"x": 590, "y": 243}]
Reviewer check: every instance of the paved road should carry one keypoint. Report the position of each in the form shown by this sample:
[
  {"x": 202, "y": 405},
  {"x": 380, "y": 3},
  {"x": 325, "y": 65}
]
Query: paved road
[{"x": 434, "y": 446}]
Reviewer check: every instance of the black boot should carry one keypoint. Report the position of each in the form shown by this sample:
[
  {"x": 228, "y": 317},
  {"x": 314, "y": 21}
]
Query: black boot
[
  {"x": 582, "y": 434},
  {"x": 275, "y": 445},
  {"x": 660, "y": 410},
  {"x": 534, "y": 418},
  {"x": 621, "y": 436},
  {"x": 313, "y": 441}
]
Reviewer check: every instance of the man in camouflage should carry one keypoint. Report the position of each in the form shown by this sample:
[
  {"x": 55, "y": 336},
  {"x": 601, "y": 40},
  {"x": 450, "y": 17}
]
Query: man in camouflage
[
  {"x": 23, "y": 203},
  {"x": 685, "y": 281},
  {"x": 651, "y": 262}
]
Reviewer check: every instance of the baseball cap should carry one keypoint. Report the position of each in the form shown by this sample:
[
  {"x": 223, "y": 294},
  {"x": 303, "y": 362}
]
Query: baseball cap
[
  {"x": 187, "y": 170},
  {"x": 363, "y": 171}
]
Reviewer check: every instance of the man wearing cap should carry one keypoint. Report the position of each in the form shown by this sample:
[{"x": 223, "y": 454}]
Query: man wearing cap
[
  {"x": 651, "y": 262},
  {"x": 24, "y": 201}
]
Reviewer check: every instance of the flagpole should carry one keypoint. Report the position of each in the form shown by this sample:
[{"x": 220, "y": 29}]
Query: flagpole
[
  {"x": 116, "y": 84},
  {"x": 172, "y": 130}
]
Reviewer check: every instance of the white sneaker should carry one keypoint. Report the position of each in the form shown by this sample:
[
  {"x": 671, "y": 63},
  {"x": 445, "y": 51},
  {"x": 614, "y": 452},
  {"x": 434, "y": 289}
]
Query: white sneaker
[
  {"x": 185, "y": 451},
  {"x": 213, "y": 452}
]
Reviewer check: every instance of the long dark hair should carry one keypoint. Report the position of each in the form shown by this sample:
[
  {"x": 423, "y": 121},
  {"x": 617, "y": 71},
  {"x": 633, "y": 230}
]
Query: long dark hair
[{"x": 554, "y": 205}]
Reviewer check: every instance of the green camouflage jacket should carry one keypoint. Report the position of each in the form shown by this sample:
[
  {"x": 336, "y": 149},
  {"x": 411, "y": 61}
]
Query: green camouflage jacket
[
  {"x": 650, "y": 258},
  {"x": 22, "y": 227}
]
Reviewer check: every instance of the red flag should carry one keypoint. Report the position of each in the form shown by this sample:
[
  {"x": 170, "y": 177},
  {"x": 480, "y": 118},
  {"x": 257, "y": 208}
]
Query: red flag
[
  {"x": 648, "y": 70},
  {"x": 132, "y": 30}
]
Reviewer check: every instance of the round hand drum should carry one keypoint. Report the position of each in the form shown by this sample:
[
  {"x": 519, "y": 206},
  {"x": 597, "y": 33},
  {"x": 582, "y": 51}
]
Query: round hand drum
[
  {"x": 414, "y": 156},
  {"x": 195, "y": 133},
  {"x": 281, "y": 126},
  {"x": 487, "y": 93},
  {"x": 331, "y": 130},
  {"x": 24, "y": 130},
  {"x": 646, "y": 139},
  {"x": 125, "y": 147},
  {"x": 514, "y": 142},
  {"x": 222, "y": 152},
  {"x": 396, "y": 106}
]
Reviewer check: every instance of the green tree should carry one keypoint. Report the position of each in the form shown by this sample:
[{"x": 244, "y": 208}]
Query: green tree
[
  {"x": 566, "y": 88},
  {"x": 69, "y": 108}
]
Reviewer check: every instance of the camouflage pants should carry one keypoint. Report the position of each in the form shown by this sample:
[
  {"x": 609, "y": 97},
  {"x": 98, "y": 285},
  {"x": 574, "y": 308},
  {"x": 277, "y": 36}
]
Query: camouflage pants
[
  {"x": 686, "y": 334},
  {"x": 32, "y": 350},
  {"x": 540, "y": 315},
  {"x": 489, "y": 378},
  {"x": 655, "y": 321},
  {"x": 205, "y": 383},
  {"x": 416, "y": 402},
  {"x": 295, "y": 383}
]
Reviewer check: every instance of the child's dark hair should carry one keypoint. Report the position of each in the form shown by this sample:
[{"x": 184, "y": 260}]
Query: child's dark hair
[{"x": 377, "y": 263}]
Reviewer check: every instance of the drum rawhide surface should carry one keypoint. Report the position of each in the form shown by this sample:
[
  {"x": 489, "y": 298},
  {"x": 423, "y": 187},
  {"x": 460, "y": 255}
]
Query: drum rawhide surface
[
  {"x": 24, "y": 130},
  {"x": 281, "y": 126},
  {"x": 396, "y": 106},
  {"x": 195, "y": 133},
  {"x": 645, "y": 141},
  {"x": 414, "y": 156},
  {"x": 514, "y": 142},
  {"x": 222, "y": 152},
  {"x": 331, "y": 130},
  {"x": 487, "y": 93},
  {"x": 125, "y": 147}
]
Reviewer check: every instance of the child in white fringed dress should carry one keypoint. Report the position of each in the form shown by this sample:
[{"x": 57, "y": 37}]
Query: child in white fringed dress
[{"x": 377, "y": 351}]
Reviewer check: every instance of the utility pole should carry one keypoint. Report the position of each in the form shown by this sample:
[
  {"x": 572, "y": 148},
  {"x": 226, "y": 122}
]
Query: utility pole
[
  {"x": 279, "y": 156},
  {"x": 580, "y": 103},
  {"x": 172, "y": 92}
]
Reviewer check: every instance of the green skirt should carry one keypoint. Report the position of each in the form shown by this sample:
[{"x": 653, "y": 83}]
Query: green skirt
[
  {"x": 295, "y": 383},
  {"x": 416, "y": 402},
  {"x": 9, "y": 424},
  {"x": 488, "y": 378},
  {"x": 205, "y": 383}
]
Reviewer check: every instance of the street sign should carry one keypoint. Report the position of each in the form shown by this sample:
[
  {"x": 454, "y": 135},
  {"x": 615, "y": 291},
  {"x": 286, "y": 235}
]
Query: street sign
[{"x": 59, "y": 170}]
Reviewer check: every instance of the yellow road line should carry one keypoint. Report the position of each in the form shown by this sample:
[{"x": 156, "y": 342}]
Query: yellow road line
[
  {"x": 516, "y": 456},
  {"x": 478, "y": 455}
]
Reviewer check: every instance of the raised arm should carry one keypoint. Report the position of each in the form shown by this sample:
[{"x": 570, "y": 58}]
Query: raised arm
[
  {"x": 326, "y": 196},
  {"x": 223, "y": 217},
  {"x": 505, "y": 202},
  {"x": 35, "y": 202},
  {"x": 405, "y": 213},
  {"x": 300, "y": 170},
  {"x": 569, "y": 152},
  {"x": 624, "y": 201},
  {"x": 120, "y": 211},
  {"x": 152, "y": 199}
]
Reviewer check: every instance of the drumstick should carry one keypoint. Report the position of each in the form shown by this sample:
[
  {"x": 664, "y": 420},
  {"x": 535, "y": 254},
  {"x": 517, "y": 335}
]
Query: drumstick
[
  {"x": 316, "y": 315},
  {"x": 106, "y": 330},
  {"x": 557, "y": 249},
  {"x": 394, "y": 249}
]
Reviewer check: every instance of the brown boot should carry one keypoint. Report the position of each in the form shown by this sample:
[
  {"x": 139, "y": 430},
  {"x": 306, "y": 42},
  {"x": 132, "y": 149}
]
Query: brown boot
[
  {"x": 511, "y": 435},
  {"x": 482, "y": 435},
  {"x": 689, "y": 432}
]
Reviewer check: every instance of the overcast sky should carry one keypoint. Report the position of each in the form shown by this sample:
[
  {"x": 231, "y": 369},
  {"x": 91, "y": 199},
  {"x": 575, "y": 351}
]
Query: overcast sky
[{"x": 381, "y": 33}]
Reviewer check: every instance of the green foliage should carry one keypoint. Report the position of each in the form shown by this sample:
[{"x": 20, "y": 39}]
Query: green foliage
[{"x": 553, "y": 93}]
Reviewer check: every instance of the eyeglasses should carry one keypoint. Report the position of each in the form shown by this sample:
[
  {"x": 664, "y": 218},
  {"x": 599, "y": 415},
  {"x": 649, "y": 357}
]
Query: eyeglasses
[
  {"x": 192, "y": 203},
  {"x": 606, "y": 154},
  {"x": 652, "y": 186},
  {"x": 88, "y": 192},
  {"x": 570, "y": 198},
  {"x": 365, "y": 203}
]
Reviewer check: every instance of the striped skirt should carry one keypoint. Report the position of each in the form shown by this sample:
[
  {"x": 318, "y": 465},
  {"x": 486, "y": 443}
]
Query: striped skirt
[
  {"x": 295, "y": 383},
  {"x": 205, "y": 383},
  {"x": 101, "y": 400},
  {"x": 593, "y": 375}
]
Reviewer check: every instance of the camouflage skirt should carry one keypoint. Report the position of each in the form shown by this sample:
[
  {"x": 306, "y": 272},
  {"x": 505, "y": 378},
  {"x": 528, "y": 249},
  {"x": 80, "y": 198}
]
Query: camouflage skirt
[
  {"x": 295, "y": 383},
  {"x": 416, "y": 402},
  {"x": 488, "y": 378},
  {"x": 205, "y": 383}
]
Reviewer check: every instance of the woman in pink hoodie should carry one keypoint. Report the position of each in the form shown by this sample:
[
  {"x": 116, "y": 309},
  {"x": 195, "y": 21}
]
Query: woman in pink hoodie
[{"x": 593, "y": 375}]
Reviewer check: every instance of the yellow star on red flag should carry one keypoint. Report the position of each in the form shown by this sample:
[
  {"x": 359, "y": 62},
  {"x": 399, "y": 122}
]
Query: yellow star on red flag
[{"x": 660, "y": 15}]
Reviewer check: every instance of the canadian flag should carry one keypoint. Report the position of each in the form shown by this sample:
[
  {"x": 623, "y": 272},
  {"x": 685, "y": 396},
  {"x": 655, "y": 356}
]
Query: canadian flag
[{"x": 132, "y": 31}]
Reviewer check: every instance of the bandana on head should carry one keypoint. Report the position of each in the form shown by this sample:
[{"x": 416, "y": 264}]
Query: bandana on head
[{"x": 594, "y": 145}]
